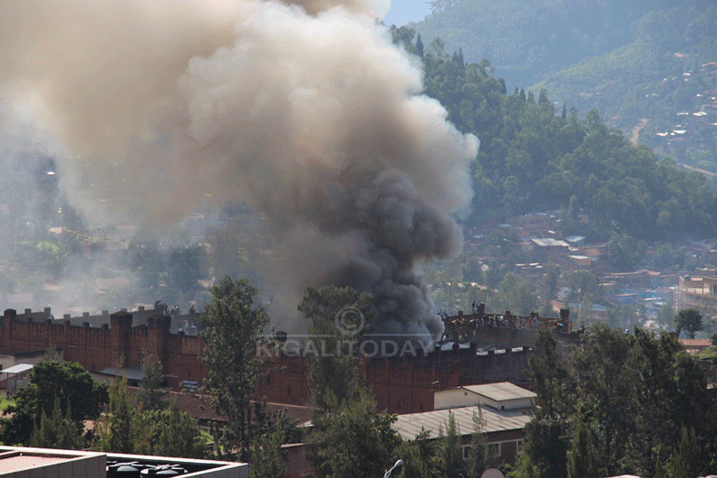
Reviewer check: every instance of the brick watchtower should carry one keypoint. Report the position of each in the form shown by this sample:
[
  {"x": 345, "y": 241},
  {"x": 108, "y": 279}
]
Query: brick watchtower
[
  {"x": 157, "y": 333},
  {"x": 120, "y": 326},
  {"x": 6, "y": 332}
]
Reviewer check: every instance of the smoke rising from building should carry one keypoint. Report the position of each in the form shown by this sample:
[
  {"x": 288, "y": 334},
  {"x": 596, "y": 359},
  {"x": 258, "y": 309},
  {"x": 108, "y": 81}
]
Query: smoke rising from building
[{"x": 305, "y": 110}]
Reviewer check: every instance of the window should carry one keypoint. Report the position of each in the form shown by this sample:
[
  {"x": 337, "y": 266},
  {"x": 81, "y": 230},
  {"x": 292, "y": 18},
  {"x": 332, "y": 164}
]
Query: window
[
  {"x": 518, "y": 445},
  {"x": 466, "y": 451},
  {"x": 493, "y": 450}
]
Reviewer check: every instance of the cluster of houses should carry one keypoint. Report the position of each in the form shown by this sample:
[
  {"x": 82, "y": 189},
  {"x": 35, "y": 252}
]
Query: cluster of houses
[
  {"x": 536, "y": 238},
  {"x": 694, "y": 127}
]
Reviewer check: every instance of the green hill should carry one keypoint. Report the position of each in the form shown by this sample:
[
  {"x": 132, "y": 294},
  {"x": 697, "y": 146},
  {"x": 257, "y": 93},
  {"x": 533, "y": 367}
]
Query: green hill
[
  {"x": 525, "y": 39},
  {"x": 533, "y": 159},
  {"x": 661, "y": 82}
]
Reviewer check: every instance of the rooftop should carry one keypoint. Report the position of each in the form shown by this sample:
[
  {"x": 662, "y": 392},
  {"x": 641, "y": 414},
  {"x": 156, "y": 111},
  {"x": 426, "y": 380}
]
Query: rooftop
[
  {"x": 410, "y": 425},
  {"x": 26, "y": 462},
  {"x": 501, "y": 391},
  {"x": 549, "y": 242},
  {"x": 13, "y": 461}
]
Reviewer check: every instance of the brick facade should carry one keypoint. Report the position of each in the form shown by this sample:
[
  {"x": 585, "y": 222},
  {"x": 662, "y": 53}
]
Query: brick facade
[
  {"x": 116, "y": 344},
  {"x": 400, "y": 385}
]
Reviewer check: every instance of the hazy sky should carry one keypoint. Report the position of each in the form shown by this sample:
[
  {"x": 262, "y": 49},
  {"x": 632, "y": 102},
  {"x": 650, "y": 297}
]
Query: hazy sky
[{"x": 404, "y": 11}]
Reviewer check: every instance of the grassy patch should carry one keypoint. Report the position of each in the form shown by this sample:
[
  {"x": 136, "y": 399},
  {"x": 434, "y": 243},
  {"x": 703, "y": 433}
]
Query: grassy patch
[{"x": 5, "y": 402}]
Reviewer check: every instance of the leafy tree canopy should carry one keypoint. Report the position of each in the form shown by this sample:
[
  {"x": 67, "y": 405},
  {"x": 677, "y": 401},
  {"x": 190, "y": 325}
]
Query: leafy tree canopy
[
  {"x": 234, "y": 327},
  {"x": 335, "y": 379},
  {"x": 689, "y": 320},
  {"x": 50, "y": 380},
  {"x": 531, "y": 158},
  {"x": 630, "y": 395},
  {"x": 356, "y": 441}
]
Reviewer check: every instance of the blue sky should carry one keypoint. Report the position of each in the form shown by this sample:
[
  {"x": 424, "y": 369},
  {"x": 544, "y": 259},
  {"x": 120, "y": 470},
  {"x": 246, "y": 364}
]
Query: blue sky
[{"x": 404, "y": 11}]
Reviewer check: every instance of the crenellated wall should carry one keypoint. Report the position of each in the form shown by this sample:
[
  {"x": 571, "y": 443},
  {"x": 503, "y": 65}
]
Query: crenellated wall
[
  {"x": 400, "y": 385},
  {"x": 116, "y": 344}
]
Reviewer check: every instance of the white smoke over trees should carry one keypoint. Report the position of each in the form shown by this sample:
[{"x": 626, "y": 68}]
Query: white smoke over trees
[{"x": 305, "y": 110}]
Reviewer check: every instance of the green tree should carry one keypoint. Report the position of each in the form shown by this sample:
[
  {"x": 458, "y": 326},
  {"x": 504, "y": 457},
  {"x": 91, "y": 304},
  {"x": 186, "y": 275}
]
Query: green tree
[
  {"x": 524, "y": 468},
  {"x": 57, "y": 430},
  {"x": 656, "y": 420},
  {"x": 51, "y": 379},
  {"x": 689, "y": 320},
  {"x": 660, "y": 470},
  {"x": 478, "y": 459},
  {"x": 353, "y": 441},
  {"x": 414, "y": 465},
  {"x": 584, "y": 283},
  {"x": 267, "y": 460},
  {"x": 449, "y": 451},
  {"x": 685, "y": 461},
  {"x": 666, "y": 314},
  {"x": 517, "y": 295},
  {"x": 147, "y": 426},
  {"x": 545, "y": 442},
  {"x": 234, "y": 328},
  {"x": 624, "y": 251},
  {"x": 418, "y": 455},
  {"x": 419, "y": 46},
  {"x": 180, "y": 435},
  {"x": 336, "y": 376},
  {"x": 581, "y": 462},
  {"x": 114, "y": 429},
  {"x": 150, "y": 395},
  {"x": 630, "y": 392},
  {"x": 605, "y": 387}
]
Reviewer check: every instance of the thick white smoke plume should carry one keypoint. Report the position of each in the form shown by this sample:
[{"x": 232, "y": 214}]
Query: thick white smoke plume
[{"x": 306, "y": 110}]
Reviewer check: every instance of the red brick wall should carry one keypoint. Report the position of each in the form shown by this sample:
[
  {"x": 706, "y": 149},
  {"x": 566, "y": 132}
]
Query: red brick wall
[
  {"x": 100, "y": 348},
  {"x": 400, "y": 386}
]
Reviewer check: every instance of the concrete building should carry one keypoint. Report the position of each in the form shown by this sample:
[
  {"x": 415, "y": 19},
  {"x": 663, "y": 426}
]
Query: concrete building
[
  {"x": 20, "y": 462},
  {"x": 499, "y": 396},
  {"x": 698, "y": 293},
  {"x": 503, "y": 408}
]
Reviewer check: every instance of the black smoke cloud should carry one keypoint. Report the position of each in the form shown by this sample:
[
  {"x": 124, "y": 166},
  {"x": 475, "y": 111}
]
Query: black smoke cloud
[{"x": 305, "y": 110}]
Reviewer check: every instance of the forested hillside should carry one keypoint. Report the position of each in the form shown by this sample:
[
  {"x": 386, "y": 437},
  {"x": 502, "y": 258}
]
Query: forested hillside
[
  {"x": 527, "y": 38},
  {"x": 533, "y": 157},
  {"x": 665, "y": 71}
]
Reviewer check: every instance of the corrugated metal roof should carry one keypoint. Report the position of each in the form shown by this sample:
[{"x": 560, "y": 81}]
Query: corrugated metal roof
[
  {"x": 19, "y": 368},
  {"x": 501, "y": 391},
  {"x": 549, "y": 242},
  {"x": 410, "y": 425},
  {"x": 132, "y": 373}
]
